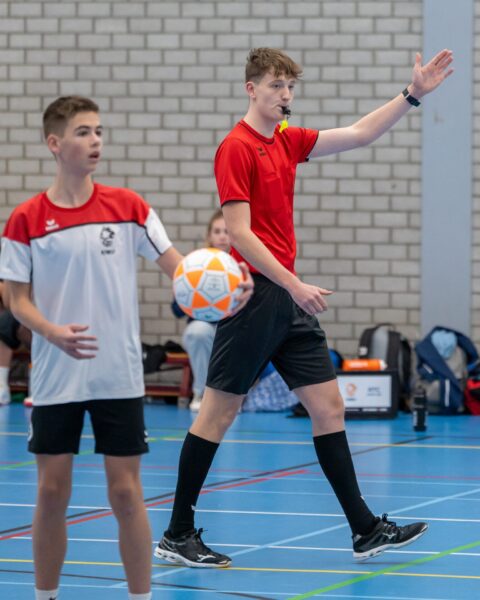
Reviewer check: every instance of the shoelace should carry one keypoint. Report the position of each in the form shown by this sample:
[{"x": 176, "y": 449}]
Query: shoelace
[
  {"x": 391, "y": 525},
  {"x": 197, "y": 537}
]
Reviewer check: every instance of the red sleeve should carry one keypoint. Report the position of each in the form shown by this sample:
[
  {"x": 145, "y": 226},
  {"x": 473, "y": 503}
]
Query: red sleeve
[
  {"x": 16, "y": 228},
  {"x": 233, "y": 171},
  {"x": 301, "y": 141}
]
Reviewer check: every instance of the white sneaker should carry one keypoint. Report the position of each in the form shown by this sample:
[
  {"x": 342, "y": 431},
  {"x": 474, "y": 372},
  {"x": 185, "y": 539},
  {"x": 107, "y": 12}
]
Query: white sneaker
[
  {"x": 5, "y": 395},
  {"x": 195, "y": 403}
]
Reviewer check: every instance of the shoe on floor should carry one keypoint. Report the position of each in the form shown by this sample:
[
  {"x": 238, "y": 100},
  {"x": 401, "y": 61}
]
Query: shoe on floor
[
  {"x": 195, "y": 403},
  {"x": 386, "y": 534},
  {"x": 190, "y": 550},
  {"x": 5, "y": 395}
]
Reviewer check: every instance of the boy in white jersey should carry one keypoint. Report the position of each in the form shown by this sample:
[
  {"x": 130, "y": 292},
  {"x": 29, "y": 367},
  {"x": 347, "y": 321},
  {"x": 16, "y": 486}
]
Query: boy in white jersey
[{"x": 69, "y": 261}]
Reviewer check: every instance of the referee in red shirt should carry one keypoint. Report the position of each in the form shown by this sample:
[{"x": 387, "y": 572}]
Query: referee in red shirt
[{"x": 255, "y": 169}]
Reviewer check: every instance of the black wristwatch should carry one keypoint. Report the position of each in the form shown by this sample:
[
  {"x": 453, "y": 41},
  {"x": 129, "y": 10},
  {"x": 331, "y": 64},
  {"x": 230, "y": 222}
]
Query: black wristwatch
[{"x": 409, "y": 98}]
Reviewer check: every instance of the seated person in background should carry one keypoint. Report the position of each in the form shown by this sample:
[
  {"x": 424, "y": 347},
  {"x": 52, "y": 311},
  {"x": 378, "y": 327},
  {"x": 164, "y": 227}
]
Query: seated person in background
[
  {"x": 12, "y": 335},
  {"x": 198, "y": 336}
]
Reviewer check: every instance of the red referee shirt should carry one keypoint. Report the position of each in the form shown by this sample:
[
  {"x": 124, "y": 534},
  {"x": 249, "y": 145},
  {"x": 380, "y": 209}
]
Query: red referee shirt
[{"x": 252, "y": 168}]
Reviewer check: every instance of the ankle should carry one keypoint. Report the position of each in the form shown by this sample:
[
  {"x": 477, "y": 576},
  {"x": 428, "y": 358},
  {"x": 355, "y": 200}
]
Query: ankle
[{"x": 46, "y": 594}]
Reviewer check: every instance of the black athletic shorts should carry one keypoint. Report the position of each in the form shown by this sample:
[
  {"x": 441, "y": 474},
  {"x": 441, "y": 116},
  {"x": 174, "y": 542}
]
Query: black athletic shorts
[
  {"x": 118, "y": 427},
  {"x": 271, "y": 327},
  {"x": 9, "y": 330}
]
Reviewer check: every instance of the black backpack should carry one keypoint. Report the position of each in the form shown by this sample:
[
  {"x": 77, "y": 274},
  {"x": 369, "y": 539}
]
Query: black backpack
[{"x": 384, "y": 342}]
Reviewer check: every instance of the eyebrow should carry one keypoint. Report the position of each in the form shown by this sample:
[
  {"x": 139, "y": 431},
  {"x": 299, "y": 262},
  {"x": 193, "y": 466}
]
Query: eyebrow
[{"x": 88, "y": 127}]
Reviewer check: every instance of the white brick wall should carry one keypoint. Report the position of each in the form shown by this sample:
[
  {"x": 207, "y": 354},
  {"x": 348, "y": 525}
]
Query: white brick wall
[{"x": 168, "y": 76}]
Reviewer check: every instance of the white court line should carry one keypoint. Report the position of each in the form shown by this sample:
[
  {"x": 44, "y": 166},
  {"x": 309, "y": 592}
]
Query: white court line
[
  {"x": 260, "y": 547},
  {"x": 326, "y": 530},
  {"x": 235, "y": 591},
  {"x": 179, "y": 588},
  {"x": 303, "y": 548},
  {"x": 281, "y": 513},
  {"x": 320, "y": 478}
]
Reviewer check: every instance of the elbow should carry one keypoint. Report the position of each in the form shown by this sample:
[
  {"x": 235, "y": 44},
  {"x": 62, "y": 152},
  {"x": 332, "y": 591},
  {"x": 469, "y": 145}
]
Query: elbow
[
  {"x": 237, "y": 237},
  {"x": 362, "y": 138}
]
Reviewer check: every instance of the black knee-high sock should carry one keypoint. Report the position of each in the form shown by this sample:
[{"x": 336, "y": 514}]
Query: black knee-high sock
[
  {"x": 195, "y": 459},
  {"x": 336, "y": 461}
]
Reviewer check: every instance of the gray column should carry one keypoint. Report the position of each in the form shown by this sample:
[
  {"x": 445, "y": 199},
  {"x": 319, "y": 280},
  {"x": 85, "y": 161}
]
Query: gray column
[{"x": 447, "y": 171}]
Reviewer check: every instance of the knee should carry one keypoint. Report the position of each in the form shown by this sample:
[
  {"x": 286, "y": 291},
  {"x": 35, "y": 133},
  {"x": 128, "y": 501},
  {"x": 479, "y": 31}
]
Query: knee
[
  {"x": 330, "y": 408},
  {"x": 124, "y": 498},
  {"x": 53, "y": 496},
  {"x": 198, "y": 332}
]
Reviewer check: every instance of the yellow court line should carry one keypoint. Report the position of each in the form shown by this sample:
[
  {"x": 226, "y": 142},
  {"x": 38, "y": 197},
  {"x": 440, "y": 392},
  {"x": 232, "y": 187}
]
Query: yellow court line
[
  {"x": 292, "y": 443},
  {"x": 258, "y": 569},
  {"x": 356, "y": 444}
]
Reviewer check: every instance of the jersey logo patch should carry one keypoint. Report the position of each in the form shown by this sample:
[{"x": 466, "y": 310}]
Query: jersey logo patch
[
  {"x": 261, "y": 151},
  {"x": 51, "y": 224},
  {"x": 107, "y": 237}
]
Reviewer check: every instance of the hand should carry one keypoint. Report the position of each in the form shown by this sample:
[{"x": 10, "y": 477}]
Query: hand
[
  {"x": 310, "y": 297},
  {"x": 246, "y": 286},
  {"x": 68, "y": 339},
  {"x": 427, "y": 77}
]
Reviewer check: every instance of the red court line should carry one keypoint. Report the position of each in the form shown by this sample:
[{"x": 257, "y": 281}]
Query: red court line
[{"x": 109, "y": 513}]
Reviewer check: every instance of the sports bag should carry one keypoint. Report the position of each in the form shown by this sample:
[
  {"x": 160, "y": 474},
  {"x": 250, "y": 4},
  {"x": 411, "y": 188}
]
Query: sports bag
[
  {"x": 385, "y": 343},
  {"x": 444, "y": 378}
]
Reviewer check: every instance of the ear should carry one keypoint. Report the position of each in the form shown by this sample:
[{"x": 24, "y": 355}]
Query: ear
[
  {"x": 250, "y": 87},
  {"x": 53, "y": 143}
]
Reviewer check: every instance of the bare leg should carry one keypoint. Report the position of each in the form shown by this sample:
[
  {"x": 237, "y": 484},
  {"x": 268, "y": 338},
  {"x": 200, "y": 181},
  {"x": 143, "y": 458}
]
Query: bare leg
[
  {"x": 126, "y": 498},
  {"x": 217, "y": 413},
  {"x": 325, "y": 406},
  {"x": 49, "y": 528}
]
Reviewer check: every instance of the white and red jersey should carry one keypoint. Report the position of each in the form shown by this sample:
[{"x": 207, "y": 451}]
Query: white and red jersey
[{"x": 82, "y": 264}]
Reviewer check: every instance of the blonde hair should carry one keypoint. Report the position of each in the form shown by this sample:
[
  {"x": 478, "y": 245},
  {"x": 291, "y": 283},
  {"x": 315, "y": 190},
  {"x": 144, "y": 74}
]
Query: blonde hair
[{"x": 263, "y": 60}]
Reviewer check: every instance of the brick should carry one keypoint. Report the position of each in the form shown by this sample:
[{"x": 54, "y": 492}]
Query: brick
[
  {"x": 371, "y": 267},
  {"x": 386, "y": 315},
  {"x": 62, "y": 41},
  {"x": 130, "y": 9},
  {"x": 216, "y": 25},
  {"x": 161, "y": 167},
  {"x": 41, "y": 25},
  {"x": 150, "y": 25},
  {"x": 375, "y": 9},
  {"x": 28, "y": 40},
  {"x": 163, "y": 9},
  {"x": 179, "y": 57},
  {"x": 303, "y": 9},
  {"x": 371, "y": 299},
  {"x": 358, "y": 25}
]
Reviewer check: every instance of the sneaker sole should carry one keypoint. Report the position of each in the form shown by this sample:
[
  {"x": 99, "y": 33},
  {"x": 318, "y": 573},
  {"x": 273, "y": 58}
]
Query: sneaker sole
[
  {"x": 177, "y": 559},
  {"x": 376, "y": 551}
]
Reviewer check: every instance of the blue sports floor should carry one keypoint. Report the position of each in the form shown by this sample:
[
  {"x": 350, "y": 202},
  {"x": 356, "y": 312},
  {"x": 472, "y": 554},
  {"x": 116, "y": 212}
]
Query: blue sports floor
[{"x": 268, "y": 506}]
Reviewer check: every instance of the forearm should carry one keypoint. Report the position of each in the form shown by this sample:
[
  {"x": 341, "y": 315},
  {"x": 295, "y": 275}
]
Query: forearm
[
  {"x": 28, "y": 314},
  {"x": 375, "y": 124},
  {"x": 258, "y": 255}
]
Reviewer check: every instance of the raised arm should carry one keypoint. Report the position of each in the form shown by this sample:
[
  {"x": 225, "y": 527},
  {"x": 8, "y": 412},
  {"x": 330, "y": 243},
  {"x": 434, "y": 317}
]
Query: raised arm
[{"x": 425, "y": 78}]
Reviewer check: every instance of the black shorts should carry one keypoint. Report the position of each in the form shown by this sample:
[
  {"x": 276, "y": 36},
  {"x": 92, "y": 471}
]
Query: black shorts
[
  {"x": 118, "y": 427},
  {"x": 9, "y": 330},
  {"x": 271, "y": 327}
]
